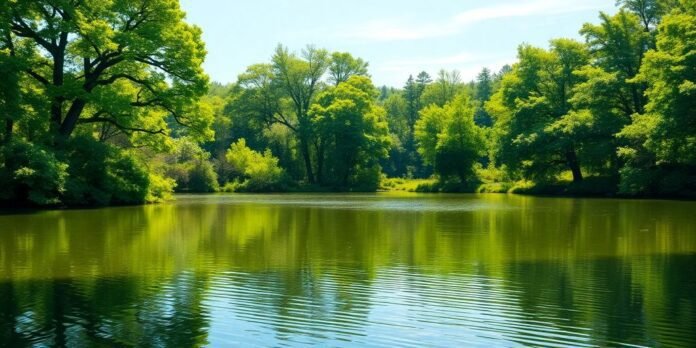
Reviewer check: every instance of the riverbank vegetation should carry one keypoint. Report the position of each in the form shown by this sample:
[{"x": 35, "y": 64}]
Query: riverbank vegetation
[{"x": 107, "y": 103}]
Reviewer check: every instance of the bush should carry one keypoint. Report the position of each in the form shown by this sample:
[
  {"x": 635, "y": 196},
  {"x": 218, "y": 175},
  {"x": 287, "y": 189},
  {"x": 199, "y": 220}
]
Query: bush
[
  {"x": 160, "y": 188},
  {"x": 100, "y": 174},
  {"x": 449, "y": 185},
  {"x": 84, "y": 172},
  {"x": 32, "y": 174},
  {"x": 669, "y": 181},
  {"x": 189, "y": 166},
  {"x": 202, "y": 178},
  {"x": 256, "y": 172},
  {"x": 366, "y": 179}
]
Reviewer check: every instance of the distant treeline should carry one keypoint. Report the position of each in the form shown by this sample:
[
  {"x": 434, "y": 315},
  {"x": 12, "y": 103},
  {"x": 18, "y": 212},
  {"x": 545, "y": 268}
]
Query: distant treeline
[{"x": 107, "y": 103}]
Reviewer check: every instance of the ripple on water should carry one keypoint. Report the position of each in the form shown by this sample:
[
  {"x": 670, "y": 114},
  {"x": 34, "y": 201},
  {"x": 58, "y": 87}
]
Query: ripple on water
[{"x": 396, "y": 308}]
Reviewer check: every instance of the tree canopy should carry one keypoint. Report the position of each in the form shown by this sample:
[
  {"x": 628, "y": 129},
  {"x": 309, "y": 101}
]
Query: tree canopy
[{"x": 107, "y": 102}]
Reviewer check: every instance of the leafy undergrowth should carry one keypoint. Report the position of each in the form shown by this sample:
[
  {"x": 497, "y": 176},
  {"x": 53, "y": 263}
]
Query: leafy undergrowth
[
  {"x": 405, "y": 185},
  {"x": 591, "y": 187}
]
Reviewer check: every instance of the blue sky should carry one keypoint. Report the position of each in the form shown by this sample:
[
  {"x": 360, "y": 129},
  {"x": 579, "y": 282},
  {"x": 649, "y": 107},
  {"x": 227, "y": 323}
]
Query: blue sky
[{"x": 397, "y": 38}]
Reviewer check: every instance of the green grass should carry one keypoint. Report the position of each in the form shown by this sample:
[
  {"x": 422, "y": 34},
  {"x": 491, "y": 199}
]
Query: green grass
[{"x": 404, "y": 185}]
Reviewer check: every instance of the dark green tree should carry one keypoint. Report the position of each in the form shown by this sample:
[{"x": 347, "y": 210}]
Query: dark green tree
[
  {"x": 354, "y": 130},
  {"x": 484, "y": 90},
  {"x": 532, "y": 111},
  {"x": 661, "y": 154}
]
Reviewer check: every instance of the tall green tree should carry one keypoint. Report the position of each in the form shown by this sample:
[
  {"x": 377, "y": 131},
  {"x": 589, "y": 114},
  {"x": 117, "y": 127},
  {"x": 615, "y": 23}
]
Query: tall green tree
[
  {"x": 532, "y": 107},
  {"x": 444, "y": 89},
  {"x": 344, "y": 65},
  {"x": 10, "y": 94},
  {"x": 300, "y": 79},
  {"x": 413, "y": 93},
  {"x": 449, "y": 139},
  {"x": 484, "y": 90},
  {"x": 649, "y": 11},
  {"x": 662, "y": 148},
  {"x": 96, "y": 79},
  {"x": 399, "y": 158},
  {"x": 606, "y": 97},
  {"x": 354, "y": 130},
  {"x": 618, "y": 45}
]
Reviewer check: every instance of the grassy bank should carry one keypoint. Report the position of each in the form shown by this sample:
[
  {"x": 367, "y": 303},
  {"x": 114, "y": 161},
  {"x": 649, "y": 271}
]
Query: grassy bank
[{"x": 592, "y": 187}]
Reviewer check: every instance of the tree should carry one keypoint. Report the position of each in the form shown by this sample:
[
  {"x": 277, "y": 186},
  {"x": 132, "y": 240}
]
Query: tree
[
  {"x": 662, "y": 141},
  {"x": 449, "y": 140},
  {"x": 354, "y": 131},
  {"x": 85, "y": 82},
  {"x": 532, "y": 111},
  {"x": 261, "y": 101},
  {"x": 431, "y": 123},
  {"x": 605, "y": 97},
  {"x": 460, "y": 144},
  {"x": 484, "y": 90},
  {"x": 413, "y": 92},
  {"x": 396, "y": 165},
  {"x": 649, "y": 11},
  {"x": 128, "y": 64},
  {"x": 10, "y": 94},
  {"x": 618, "y": 45},
  {"x": 344, "y": 65},
  {"x": 300, "y": 80},
  {"x": 447, "y": 85}
]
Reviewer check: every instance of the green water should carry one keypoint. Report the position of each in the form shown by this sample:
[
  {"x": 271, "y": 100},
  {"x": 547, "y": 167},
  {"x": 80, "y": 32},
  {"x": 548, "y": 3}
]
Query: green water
[{"x": 352, "y": 270}]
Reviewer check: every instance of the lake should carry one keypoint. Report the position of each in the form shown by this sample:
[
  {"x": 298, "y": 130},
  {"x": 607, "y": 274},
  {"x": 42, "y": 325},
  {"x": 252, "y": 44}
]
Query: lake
[{"x": 386, "y": 269}]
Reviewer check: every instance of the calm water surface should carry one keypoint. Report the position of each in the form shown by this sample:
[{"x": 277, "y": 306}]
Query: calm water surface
[{"x": 352, "y": 270}]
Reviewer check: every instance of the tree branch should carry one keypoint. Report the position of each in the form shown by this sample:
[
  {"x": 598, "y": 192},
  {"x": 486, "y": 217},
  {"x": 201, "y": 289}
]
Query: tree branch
[{"x": 125, "y": 129}]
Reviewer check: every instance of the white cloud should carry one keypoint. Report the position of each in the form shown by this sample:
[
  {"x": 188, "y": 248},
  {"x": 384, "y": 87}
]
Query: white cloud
[{"x": 399, "y": 29}]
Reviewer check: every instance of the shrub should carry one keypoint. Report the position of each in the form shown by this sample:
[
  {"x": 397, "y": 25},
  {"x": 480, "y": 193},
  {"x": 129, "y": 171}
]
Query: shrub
[
  {"x": 30, "y": 173},
  {"x": 202, "y": 178},
  {"x": 258, "y": 172},
  {"x": 100, "y": 174},
  {"x": 160, "y": 188},
  {"x": 188, "y": 165}
]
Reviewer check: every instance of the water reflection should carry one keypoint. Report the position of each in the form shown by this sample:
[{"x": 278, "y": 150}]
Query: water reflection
[{"x": 347, "y": 270}]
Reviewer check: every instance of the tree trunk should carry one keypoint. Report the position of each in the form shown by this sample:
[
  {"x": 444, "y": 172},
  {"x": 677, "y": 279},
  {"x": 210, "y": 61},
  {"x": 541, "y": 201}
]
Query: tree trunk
[
  {"x": 68, "y": 125},
  {"x": 320, "y": 162},
  {"x": 9, "y": 127},
  {"x": 574, "y": 165},
  {"x": 58, "y": 77},
  {"x": 304, "y": 147}
]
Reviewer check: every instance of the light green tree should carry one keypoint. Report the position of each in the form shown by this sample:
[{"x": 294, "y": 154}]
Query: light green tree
[
  {"x": 443, "y": 90},
  {"x": 257, "y": 171},
  {"x": 300, "y": 79},
  {"x": 344, "y": 65},
  {"x": 461, "y": 143}
]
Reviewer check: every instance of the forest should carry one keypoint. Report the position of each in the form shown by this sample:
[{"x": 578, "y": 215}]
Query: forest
[{"x": 107, "y": 103}]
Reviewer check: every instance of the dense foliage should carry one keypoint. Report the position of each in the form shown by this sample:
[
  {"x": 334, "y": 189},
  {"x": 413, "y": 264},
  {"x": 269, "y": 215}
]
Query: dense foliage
[
  {"x": 90, "y": 83},
  {"x": 105, "y": 102}
]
